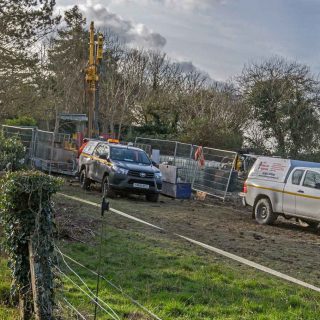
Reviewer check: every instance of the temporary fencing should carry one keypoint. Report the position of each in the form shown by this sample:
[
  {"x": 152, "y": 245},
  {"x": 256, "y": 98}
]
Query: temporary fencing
[
  {"x": 50, "y": 154},
  {"x": 45, "y": 149},
  {"x": 26, "y": 135},
  {"x": 207, "y": 169}
]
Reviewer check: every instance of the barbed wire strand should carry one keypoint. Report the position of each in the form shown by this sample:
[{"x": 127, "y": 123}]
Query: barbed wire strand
[
  {"x": 88, "y": 295},
  {"x": 72, "y": 307},
  {"x": 137, "y": 303},
  {"x": 57, "y": 261},
  {"x": 84, "y": 283}
]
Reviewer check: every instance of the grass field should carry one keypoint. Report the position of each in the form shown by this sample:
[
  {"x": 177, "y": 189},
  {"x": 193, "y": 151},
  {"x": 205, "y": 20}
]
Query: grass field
[
  {"x": 177, "y": 280},
  {"x": 177, "y": 284},
  {"x": 173, "y": 279},
  {"x": 6, "y": 312}
]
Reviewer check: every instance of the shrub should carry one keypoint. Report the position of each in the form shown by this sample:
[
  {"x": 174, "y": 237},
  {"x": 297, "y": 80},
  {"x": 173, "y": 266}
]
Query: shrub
[
  {"x": 21, "y": 121},
  {"x": 11, "y": 151},
  {"x": 27, "y": 219}
]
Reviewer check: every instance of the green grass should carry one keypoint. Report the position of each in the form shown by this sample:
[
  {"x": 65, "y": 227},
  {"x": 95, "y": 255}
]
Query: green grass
[
  {"x": 172, "y": 278},
  {"x": 6, "y": 312},
  {"x": 176, "y": 283}
]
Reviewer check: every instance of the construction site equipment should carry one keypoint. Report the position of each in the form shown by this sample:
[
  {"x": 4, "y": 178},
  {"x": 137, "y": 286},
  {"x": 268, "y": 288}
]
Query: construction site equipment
[
  {"x": 172, "y": 184},
  {"x": 45, "y": 150},
  {"x": 92, "y": 78},
  {"x": 212, "y": 175}
]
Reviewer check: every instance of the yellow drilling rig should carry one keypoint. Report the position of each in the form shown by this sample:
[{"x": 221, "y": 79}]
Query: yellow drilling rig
[{"x": 92, "y": 79}]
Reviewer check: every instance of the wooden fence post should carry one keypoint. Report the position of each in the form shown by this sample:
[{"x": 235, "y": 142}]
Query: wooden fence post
[
  {"x": 25, "y": 309},
  {"x": 42, "y": 295}
]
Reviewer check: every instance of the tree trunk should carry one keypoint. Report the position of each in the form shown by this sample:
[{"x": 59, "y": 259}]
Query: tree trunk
[{"x": 281, "y": 144}]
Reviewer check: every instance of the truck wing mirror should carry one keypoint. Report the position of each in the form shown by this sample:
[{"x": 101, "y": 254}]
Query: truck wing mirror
[
  {"x": 155, "y": 164},
  {"x": 317, "y": 185}
]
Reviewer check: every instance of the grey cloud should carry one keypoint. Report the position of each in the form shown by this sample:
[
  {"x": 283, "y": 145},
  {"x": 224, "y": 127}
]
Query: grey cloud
[
  {"x": 178, "y": 4},
  {"x": 189, "y": 67},
  {"x": 189, "y": 4},
  {"x": 131, "y": 33},
  {"x": 186, "y": 66}
]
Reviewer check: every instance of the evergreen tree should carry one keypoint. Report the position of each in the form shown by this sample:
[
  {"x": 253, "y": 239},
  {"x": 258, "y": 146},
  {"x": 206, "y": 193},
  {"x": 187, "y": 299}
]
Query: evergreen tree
[
  {"x": 68, "y": 55},
  {"x": 22, "y": 24}
]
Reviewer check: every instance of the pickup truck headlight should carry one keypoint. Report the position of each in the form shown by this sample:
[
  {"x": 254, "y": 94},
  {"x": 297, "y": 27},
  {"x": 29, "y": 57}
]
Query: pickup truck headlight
[
  {"x": 158, "y": 175},
  {"x": 119, "y": 170}
]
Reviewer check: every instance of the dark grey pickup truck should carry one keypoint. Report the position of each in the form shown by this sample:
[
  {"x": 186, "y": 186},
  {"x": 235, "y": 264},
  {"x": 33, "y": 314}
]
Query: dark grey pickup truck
[{"x": 120, "y": 169}]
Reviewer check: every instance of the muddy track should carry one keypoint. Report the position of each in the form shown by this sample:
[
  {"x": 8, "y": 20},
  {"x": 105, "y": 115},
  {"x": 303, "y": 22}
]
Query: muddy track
[{"x": 285, "y": 247}]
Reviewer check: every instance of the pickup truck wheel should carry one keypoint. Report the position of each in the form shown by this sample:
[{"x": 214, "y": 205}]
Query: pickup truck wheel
[
  {"x": 84, "y": 181},
  {"x": 152, "y": 197},
  {"x": 263, "y": 212},
  {"x": 106, "y": 189}
]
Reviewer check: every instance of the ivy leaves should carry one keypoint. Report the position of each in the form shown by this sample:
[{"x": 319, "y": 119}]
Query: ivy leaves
[
  {"x": 26, "y": 215},
  {"x": 11, "y": 151}
]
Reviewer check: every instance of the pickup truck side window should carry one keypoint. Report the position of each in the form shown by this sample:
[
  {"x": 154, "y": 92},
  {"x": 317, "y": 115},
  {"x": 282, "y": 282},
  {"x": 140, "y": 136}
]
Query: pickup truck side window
[
  {"x": 88, "y": 148},
  {"x": 297, "y": 176},
  {"x": 311, "y": 180},
  {"x": 101, "y": 149}
]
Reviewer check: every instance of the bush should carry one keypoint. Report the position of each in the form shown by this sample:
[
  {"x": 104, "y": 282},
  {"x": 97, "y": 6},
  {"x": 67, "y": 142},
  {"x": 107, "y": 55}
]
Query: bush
[
  {"x": 27, "y": 219},
  {"x": 11, "y": 151},
  {"x": 21, "y": 121}
]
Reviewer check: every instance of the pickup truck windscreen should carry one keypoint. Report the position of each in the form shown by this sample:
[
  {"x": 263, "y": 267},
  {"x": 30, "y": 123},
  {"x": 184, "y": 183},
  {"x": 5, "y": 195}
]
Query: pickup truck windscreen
[
  {"x": 312, "y": 180},
  {"x": 129, "y": 155}
]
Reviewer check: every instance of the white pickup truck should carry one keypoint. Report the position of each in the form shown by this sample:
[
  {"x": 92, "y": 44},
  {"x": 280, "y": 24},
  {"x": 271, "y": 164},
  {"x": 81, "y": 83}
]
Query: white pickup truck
[{"x": 284, "y": 187}]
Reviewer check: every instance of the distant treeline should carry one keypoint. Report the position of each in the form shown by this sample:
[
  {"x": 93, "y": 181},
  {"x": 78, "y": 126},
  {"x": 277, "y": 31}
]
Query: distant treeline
[{"x": 272, "y": 106}]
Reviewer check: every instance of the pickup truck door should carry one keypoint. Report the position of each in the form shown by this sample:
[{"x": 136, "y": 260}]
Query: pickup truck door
[
  {"x": 308, "y": 196},
  {"x": 87, "y": 158},
  {"x": 290, "y": 190},
  {"x": 98, "y": 167},
  {"x": 102, "y": 164}
]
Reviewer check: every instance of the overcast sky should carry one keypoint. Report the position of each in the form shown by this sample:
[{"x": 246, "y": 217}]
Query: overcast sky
[{"x": 217, "y": 36}]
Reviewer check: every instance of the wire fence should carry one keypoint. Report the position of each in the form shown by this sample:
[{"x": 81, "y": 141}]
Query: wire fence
[
  {"x": 213, "y": 172},
  {"x": 73, "y": 308},
  {"x": 26, "y": 135},
  {"x": 72, "y": 277}
]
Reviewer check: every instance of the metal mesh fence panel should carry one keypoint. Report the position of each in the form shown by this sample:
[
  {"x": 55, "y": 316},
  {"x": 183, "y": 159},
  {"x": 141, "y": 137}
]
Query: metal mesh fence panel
[
  {"x": 46, "y": 141},
  {"x": 45, "y": 150},
  {"x": 212, "y": 177},
  {"x": 43, "y": 145},
  {"x": 215, "y": 175},
  {"x": 184, "y": 160},
  {"x": 146, "y": 147},
  {"x": 50, "y": 154},
  {"x": 166, "y": 147},
  {"x": 26, "y": 136}
]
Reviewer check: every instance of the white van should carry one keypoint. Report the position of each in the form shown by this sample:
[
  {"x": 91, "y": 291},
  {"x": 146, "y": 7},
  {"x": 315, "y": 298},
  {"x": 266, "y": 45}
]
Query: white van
[{"x": 281, "y": 187}]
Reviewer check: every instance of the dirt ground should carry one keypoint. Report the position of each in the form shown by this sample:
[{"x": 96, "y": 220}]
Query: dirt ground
[{"x": 286, "y": 246}]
